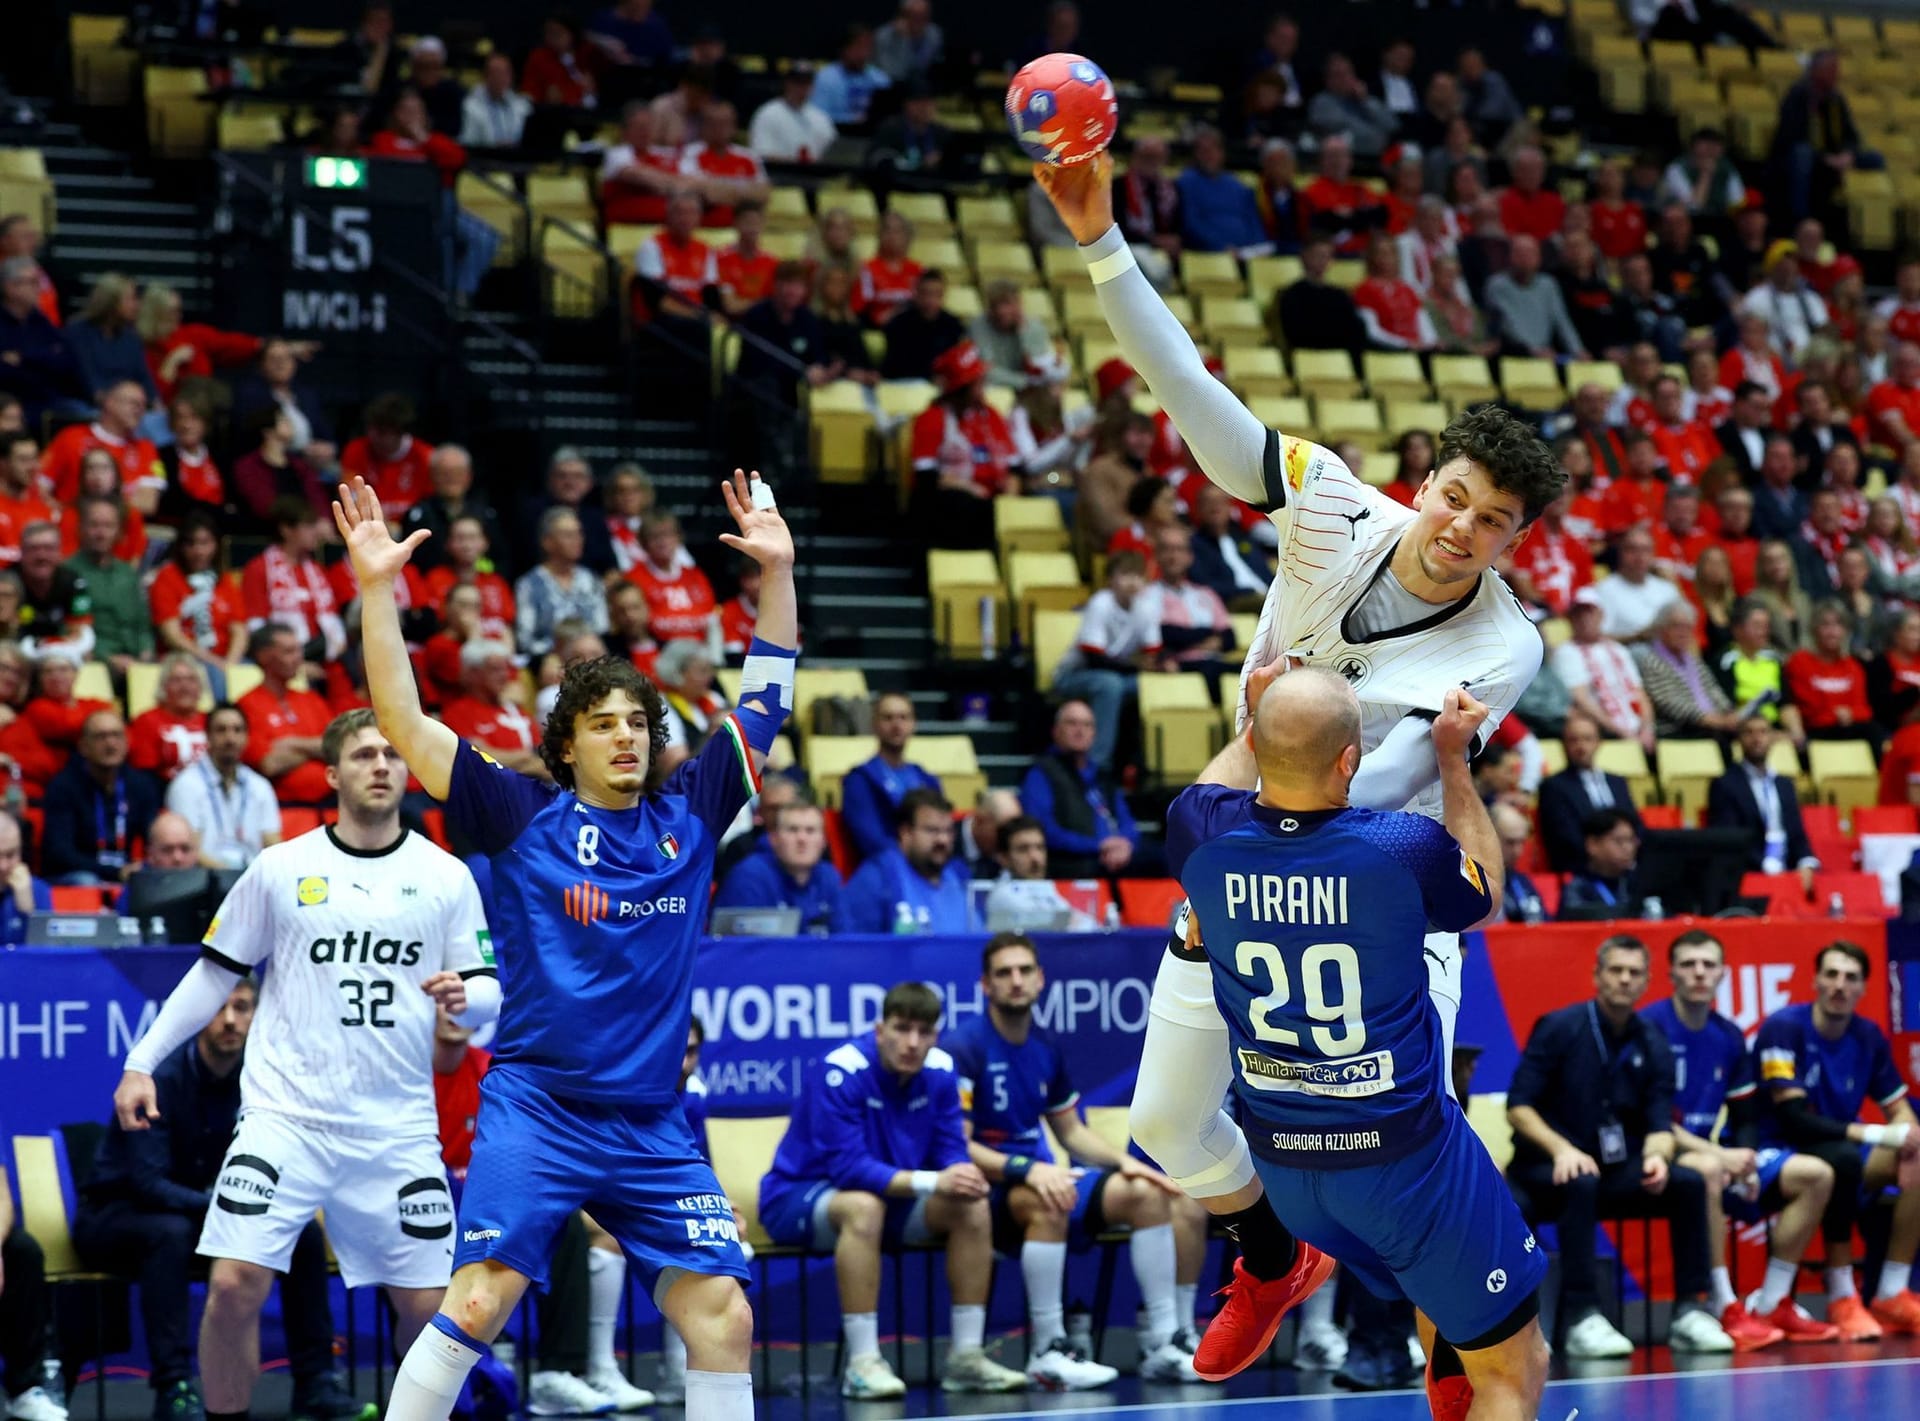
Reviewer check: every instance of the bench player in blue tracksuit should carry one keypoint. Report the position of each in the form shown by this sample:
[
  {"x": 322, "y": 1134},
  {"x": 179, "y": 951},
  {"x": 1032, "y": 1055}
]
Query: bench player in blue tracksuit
[
  {"x": 1312, "y": 916},
  {"x": 602, "y": 881}
]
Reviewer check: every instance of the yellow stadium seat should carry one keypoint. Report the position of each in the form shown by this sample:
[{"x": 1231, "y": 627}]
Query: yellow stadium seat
[
  {"x": 1603, "y": 373},
  {"x": 858, "y": 203},
  {"x": 926, "y": 210},
  {"x": 1347, "y": 419},
  {"x": 1012, "y": 260},
  {"x": 1844, "y": 772},
  {"x": 1267, "y": 277},
  {"x": 1531, "y": 382},
  {"x": 1463, "y": 379},
  {"x": 1626, "y": 759},
  {"x": 1346, "y": 273},
  {"x": 563, "y": 197},
  {"x": 787, "y": 210},
  {"x": 967, "y": 594},
  {"x": 1289, "y": 415},
  {"x": 1204, "y": 274},
  {"x": 1254, "y": 371},
  {"x": 1043, "y": 579},
  {"x": 992, "y": 218},
  {"x": 743, "y": 1150},
  {"x": 1179, "y": 724},
  {"x": 1232, "y": 320},
  {"x": 1327, "y": 373},
  {"x": 841, "y": 428},
  {"x": 95, "y": 683},
  {"x": 1428, "y": 416},
  {"x": 941, "y": 252},
  {"x": 1053, "y": 633},
  {"x": 1394, "y": 375},
  {"x": 1026, "y": 524},
  {"x": 952, "y": 758},
  {"x": 1686, "y": 769}
]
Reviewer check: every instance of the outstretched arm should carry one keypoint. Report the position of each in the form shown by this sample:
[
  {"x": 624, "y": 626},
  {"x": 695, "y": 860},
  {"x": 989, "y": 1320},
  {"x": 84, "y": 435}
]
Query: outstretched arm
[
  {"x": 766, "y": 676},
  {"x": 426, "y": 745},
  {"x": 1229, "y": 443}
]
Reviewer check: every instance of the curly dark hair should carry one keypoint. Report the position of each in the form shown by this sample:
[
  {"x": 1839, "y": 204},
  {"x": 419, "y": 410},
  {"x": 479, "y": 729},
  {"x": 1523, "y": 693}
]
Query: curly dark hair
[
  {"x": 1512, "y": 452},
  {"x": 584, "y": 686}
]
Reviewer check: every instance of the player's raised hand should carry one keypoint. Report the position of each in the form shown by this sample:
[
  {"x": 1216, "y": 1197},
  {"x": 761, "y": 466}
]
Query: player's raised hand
[
  {"x": 1258, "y": 680},
  {"x": 1082, "y": 193},
  {"x": 763, "y": 534},
  {"x": 448, "y": 990},
  {"x": 1460, "y": 719},
  {"x": 135, "y": 1103},
  {"x": 377, "y": 558}
]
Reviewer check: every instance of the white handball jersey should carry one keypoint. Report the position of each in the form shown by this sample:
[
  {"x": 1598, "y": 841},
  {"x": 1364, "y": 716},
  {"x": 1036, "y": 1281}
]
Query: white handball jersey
[
  {"x": 343, "y": 1034},
  {"x": 1337, "y": 537}
]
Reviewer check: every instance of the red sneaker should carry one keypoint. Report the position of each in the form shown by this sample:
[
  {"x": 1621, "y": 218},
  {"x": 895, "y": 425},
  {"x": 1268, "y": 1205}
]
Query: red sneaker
[
  {"x": 1899, "y": 1313},
  {"x": 1748, "y": 1332},
  {"x": 1449, "y": 1398},
  {"x": 1245, "y": 1326},
  {"x": 1798, "y": 1324},
  {"x": 1856, "y": 1324}
]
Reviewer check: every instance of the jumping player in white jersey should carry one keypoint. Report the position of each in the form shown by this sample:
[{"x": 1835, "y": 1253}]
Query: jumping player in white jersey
[
  {"x": 1404, "y": 604},
  {"x": 364, "y": 928}
]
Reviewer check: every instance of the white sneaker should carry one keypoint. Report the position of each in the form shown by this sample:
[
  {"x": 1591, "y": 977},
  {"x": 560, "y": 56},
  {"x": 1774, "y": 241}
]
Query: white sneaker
[
  {"x": 1061, "y": 1368},
  {"x": 869, "y": 1378},
  {"x": 1168, "y": 1363},
  {"x": 974, "y": 1370},
  {"x": 624, "y": 1395},
  {"x": 1321, "y": 1347},
  {"x": 564, "y": 1394},
  {"x": 1697, "y": 1330},
  {"x": 1593, "y": 1338},
  {"x": 36, "y": 1404}
]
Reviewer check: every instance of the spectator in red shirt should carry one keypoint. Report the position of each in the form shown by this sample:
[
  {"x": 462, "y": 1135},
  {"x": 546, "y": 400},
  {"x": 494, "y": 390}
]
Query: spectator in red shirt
[
  {"x": 680, "y": 601},
  {"x": 1527, "y": 207},
  {"x": 1707, "y": 399},
  {"x": 1551, "y": 563},
  {"x": 1619, "y": 226},
  {"x": 746, "y": 268},
  {"x": 630, "y": 626},
  {"x": 1414, "y": 449},
  {"x": 458, "y": 1067},
  {"x": 1404, "y": 192},
  {"x": 1828, "y": 684},
  {"x": 1678, "y": 538},
  {"x": 20, "y": 500},
  {"x": 1754, "y": 359},
  {"x": 286, "y": 722},
  {"x": 1389, "y": 307},
  {"x": 487, "y": 716},
  {"x": 117, "y": 431},
  {"x": 171, "y": 734},
  {"x": 286, "y": 586},
  {"x": 1153, "y": 506},
  {"x": 99, "y": 479},
  {"x": 196, "y": 608},
  {"x": 1901, "y": 311},
  {"x": 963, "y": 448},
  {"x": 409, "y": 137},
  {"x": 1893, "y": 407},
  {"x": 396, "y": 466},
  {"x": 1335, "y": 204},
  {"x": 723, "y": 173},
  {"x": 740, "y": 612},
  {"x": 1635, "y": 499},
  {"x": 194, "y": 481},
  {"x": 562, "y": 70},
  {"x": 24, "y": 756},
  {"x": 637, "y": 176},
  {"x": 1841, "y": 477},
  {"x": 1685, "y": 446},
  {"x": 56, "y": 713},
  {"x": 177, "y": 352},
  {"x": 674, "y": 266},
  {"x": 887, "y": 279}
]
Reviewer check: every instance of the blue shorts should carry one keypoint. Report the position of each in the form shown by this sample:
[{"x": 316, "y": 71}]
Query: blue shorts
[
  {"x": 637, "y": 1170},
  {"x": 1084, "y": 1225},
  {"x": 796, "y": 1216},
  {"x": 1436, "y": 1227},
  {"x": 1767, "y": 1201}
]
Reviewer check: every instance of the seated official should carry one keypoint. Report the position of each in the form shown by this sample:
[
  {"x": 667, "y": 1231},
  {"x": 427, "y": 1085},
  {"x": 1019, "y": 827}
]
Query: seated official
[
  {"x": 1817, "y": 1064},
  {"x": 230, "y": 807},
  {"x": 789, "y": 870},
  {"x": 870, "y": 792},
  {"x": 1024, "y": 898},
  {"x": 1090, "y": 829},
  {"x": 876, "y": 1154},
  {"x": 23, "y": 894},
  {"x": 1752, "y": 797},
  {"x": 1566, "y": 799},
  {"x": 1520, "y": 900},
  {"x": 977, "y": 832},
  {"x": 915, "y": 886},
  {"x": 171, "y": 845},
  {"x": 1605, "y": 887},
  {"x": 98, "y": 809},
  {"x": 1591, "y": 1105},
  {"x": 141, "y": 1210}
]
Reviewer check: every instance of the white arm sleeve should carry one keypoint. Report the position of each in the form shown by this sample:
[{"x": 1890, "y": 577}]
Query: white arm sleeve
[
  {"x": 1398, "y": 768},
  {"x": 1229, "y": 444},
  {"x": 483, "y": 1000},
  {"x": 188, "y": 1008}
]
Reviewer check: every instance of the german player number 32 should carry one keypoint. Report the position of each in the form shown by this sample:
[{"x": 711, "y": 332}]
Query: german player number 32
[{"x": 365, "y": 1001}]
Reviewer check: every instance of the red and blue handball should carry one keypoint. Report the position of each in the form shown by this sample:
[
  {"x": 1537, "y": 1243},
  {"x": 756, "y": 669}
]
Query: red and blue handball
[{"x": 1061, "y": 109}]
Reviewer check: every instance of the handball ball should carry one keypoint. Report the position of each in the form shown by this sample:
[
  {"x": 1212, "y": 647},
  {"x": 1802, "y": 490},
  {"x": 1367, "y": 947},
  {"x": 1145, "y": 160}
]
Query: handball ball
[{"x": 1061, "y": 109}]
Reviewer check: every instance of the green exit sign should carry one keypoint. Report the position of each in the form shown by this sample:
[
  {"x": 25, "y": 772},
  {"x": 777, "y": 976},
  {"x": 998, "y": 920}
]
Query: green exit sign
[{"x": 326, "y": 172}]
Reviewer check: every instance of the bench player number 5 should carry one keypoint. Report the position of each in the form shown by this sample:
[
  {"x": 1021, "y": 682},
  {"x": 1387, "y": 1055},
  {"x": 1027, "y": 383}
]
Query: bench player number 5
[{"x": 1254, "y": 958}]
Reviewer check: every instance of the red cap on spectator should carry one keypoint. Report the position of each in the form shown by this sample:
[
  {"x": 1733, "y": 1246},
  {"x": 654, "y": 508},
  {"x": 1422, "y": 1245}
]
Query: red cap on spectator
[
  {"x": 1111, "y": 375},
  {"x": 959, "y": 366},
  {"x": 1843, "y": 267}
]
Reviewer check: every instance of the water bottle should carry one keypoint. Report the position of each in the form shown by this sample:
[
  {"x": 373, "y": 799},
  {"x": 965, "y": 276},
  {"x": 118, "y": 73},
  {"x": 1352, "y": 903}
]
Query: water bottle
[
  {"x": 156, "y": 932},
  {"x": 1836, "y": 906},
  {"x": 903, "y": 920},
  {"x": 54, "y": 1380},
  {"x": 989, "y": 638},
  {"x": 1533, "y": 910},
  {"x": 1653, "y": 910}
]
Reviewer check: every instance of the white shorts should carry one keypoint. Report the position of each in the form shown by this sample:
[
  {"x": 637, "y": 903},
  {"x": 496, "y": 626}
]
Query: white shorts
[
  {"x": 1183, "y": 995},
  {"x": 389, "y": 1214}
]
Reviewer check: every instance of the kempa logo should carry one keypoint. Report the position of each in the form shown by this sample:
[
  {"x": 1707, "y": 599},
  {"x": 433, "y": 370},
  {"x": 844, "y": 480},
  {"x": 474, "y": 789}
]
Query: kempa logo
[
  {"x": 479, "y": 1235},
  {"x": 586, "y": 903},
  {"x": 1497, "y": 1281}
]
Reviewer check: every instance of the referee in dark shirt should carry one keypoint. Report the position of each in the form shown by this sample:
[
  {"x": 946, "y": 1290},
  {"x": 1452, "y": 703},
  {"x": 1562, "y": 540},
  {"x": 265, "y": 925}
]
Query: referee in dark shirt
[
  {"x": 140, "y": 1215},
  {"x": 1591, "y": 1106}
]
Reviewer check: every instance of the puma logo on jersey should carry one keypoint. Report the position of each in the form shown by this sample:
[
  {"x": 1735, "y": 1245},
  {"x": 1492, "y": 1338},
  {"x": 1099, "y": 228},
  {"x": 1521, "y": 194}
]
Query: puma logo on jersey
[{"x": 1354, "y": 520}]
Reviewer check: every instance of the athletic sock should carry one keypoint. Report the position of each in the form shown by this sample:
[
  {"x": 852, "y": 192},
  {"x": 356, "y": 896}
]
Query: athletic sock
[
  {"x": 969, "y": 1327},
  {"x": 1317, "y": 1311},
  {"x": 1723, "y": 1295},
  {"x": 1266, "y": 1248},
  {"x": 719, "y": 1396},
  {"x": 1186, "y": 1297},
  {"x": 606, "y": 1289},
  {"x": 1778, "y": 1286},
  {"x": 1840, "y": 1283},
  {"x": 1043, "y": 1268},
  {"x": 1893, "y": 1279},
  {"x": 1152, "y": 1254},
  {"x": 431, "y": 1374},
  {"x": 863, "y": 1335}
]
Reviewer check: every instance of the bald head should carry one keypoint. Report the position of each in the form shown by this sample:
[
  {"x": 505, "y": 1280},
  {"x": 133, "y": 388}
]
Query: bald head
[{"x": 1307, "y": 720}]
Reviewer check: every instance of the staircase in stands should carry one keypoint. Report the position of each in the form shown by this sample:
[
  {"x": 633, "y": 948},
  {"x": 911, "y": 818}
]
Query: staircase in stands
[{"x": 862, "y": 588}]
